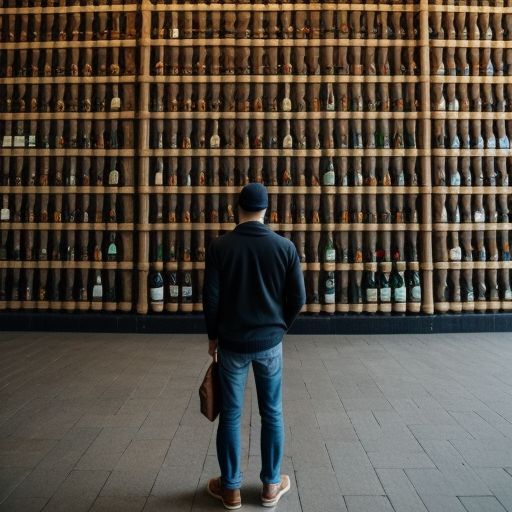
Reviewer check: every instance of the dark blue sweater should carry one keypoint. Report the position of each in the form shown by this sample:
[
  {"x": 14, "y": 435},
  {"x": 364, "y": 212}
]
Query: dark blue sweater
[{"x": 253, "y": 288}]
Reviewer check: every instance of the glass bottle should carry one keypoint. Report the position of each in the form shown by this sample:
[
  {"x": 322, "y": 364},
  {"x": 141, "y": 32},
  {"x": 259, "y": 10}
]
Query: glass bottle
[
  {"x": 328, "y": 177},
  {"x": 384, "y": 287},
  {"x": 329, "y": 290},
  {"x": 286, "y": 104},
  {"x": 330, "y": 250},
  {"x": 156, "y": 291},
  {"x": 215, "y": 139},
  {"x": 397, "y": 284},
  {"x": 112, "y": 248},
  {"x": 413, "y": 286},
  {"x": 287, "y": 139},
  {"x": 370, "y": 289},
  {"x": 97, "y": 289},
  {"x": 186, "y": 288},
  {"x": 174, "y": 292}
]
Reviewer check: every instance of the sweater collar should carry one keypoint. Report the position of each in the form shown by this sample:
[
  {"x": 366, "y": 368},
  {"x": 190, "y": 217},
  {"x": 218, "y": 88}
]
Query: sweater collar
[{"x": 252, "y": 228}]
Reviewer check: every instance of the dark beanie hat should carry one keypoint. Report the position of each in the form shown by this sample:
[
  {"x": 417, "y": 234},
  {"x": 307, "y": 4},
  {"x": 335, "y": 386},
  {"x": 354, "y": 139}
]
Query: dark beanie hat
[{"x": 253, "y": 197}]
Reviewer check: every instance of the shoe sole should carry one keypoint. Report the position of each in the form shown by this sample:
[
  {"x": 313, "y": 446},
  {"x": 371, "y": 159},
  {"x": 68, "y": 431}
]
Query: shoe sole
[
  {"x": 219, "y": 497},
  {"x": 273, "y": 503}
]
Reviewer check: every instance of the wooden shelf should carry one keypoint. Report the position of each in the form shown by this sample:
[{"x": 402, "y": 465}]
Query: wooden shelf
[
  {"x": 70, "y": 9},
  {"x": 266, "y": 78},
  {"x": 470, "y": 265},
  {"x": 67, "y": 226},
  {"x": 282, "y": 189},
  {"x": 67, "y": 189},
  {"x": 276, "y": 6},
  {"x": 499, "y": 9},
  {"x": 282, "y": 115},
  {"x": 228, "y": 226},
  {"x": 282, "y": 152},
  {"x": 69, "y": 152},
  {"x": 95, "y": 265},
  {"x": 40, "y": 80},
  {"x": 473, "y": 226},
  {"x": 471, "y": 190},
  {"x": 92, "y": 44},
  {"x": 34, "y": 116},
  {"x": 441, "y": 114},
  {"x": 471, "y": 152},
  {"x": 456, "y": 79},
  {"x": 279, "y": 42},
  {"x": 469, "y": 43}
]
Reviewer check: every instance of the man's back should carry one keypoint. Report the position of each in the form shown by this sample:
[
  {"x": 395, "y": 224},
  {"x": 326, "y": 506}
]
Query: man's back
[{"x": 253, "y": 288}]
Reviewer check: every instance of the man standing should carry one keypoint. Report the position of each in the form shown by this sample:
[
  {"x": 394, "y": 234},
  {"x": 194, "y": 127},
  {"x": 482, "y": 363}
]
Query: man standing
[{"x": 253, "y": 291}]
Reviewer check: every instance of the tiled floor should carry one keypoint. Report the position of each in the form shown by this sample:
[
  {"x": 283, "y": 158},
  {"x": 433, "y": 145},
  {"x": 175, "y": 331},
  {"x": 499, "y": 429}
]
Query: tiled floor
[{"x": 110, "y": 422}]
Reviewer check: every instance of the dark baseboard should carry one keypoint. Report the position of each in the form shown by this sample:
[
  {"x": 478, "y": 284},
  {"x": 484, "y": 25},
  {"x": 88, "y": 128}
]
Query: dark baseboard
[{"x": 305, "y": 324}]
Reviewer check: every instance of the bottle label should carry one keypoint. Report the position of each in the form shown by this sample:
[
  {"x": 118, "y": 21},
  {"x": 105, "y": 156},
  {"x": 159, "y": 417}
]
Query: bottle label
[
  {"x": 159, "y": 178},
  {"x": 330, "y": 255},
  {"x": 175, "y": 33},
  {"x": 157, "y": 294},
  {"x": 400, "y": 294},
  {"x": 113, "y": 177},
  {"x": 371, "y": 294},
  {"x": 115, "y": 103},
  {"x": 19, "y": 141},
  {"x": 97, "y": 292},
  {"x": 5, "y": 214},
  {"x": 329, "y": 178},
  {"x": 112, "y": 249},
  {"x": 416, "y": 293},
  {"x": 31, "y": 141},
  {"x": 186, "y": 291},
  {"x": 385, "y": 294},
  {"x": 174, "y": 291},
  {"x": 7, "y": 141},
  {"x": 329, "y": 297}
]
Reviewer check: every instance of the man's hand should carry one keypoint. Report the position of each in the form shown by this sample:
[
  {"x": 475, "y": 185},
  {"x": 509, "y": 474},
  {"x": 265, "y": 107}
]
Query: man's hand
[{"x": 212, "y": 349}]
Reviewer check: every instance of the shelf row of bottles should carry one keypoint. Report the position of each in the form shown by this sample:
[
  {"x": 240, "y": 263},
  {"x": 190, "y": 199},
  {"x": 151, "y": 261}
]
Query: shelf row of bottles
[
  {"x": 464, "y": 61},
  {"x": 471, "y": 134},
  {"x": 285, "y": 171},
  {"x": 471, "y": 246},
  {"x": 327, "y": 247},
  {"x": 479, "y": 289},
  {"x": 284, "y": 134},
  {"x": 467, "y": 171},
  {"x": 88, "y": 61},
  {"x": 46, "y": 246},
  {"x": 471, "y": 98},
  {"x": 462, "y": 25},
  {"x": 90, "y": 25},
  {"x": 286, "y": 97},
  {"x": 32, "y": 98},
  {"x": 70, "y": 171},
  {"x": 286, "y": 24},
  {"x": 66, "y": 289},
  {"x": 68, "y": 134},
  {"x": 380, "y": 291},
  {"x": 67, "y": 208},
  {"x": 333, "y": 59}
]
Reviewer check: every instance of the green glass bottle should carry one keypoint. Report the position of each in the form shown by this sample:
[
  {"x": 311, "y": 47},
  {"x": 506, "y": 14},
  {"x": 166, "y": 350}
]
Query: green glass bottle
[
  {"x": 384, "y": 288},
  {"x": 156, "y": 290},
  {"x": 329, "y": 290},
  {"x": 370, "y": 289},
  {"x": 112, "y": 248},
  {"x": 413, "y": 284},
  {"x": 330, "y": 250},
  {"x": 328, "y": 177},
  {"x": 397, "y": 284}
]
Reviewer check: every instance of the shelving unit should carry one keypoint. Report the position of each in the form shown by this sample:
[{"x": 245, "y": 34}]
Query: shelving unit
[{"x": 377, "y": 128}]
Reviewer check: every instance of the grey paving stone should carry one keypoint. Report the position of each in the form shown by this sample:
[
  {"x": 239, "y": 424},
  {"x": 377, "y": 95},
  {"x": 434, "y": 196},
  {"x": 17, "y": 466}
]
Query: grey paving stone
[
  {"x": 481, "y": 504},
  {"x": 390, "y": 458},
  {"x": 400, "y": 491},
  {"x": 41, "y": 483},
  {"x": 10, "y": 478},
  {"x": 481, "y": 453},
  {"x": 442, "y": 503},
  {"x": 122, "y": 483},
  {"x": 438, "y": 432},
  {"x": 143, "y": 455},
  {"x": 13, "y": 504},
  {"x": 368, "y": 504},
  {"x": 60, "y": 503},
  {"x": 115, "y": 504}
]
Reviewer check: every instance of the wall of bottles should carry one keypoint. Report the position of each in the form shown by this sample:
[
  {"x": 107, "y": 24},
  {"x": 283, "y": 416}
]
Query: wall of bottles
[{"x": 381, "y": 131}]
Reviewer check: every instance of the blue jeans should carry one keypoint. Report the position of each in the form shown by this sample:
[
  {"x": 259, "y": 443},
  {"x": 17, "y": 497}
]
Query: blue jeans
[{"x": 233, "y": 369}]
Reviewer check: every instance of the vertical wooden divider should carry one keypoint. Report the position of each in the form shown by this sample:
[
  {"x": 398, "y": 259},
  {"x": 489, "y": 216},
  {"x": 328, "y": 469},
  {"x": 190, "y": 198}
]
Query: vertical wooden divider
[
  {"x": 426, "y": 164},
  {"x": 143, "y": 146}
]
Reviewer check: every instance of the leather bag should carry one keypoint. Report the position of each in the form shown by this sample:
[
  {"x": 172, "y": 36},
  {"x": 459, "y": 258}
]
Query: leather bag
[{"x": 209, "y": 392}]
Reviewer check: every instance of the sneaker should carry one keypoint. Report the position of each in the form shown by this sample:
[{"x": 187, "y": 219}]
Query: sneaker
[
  {"x": 271, "y": 493},
  {"x": 230, "y": 497}
]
